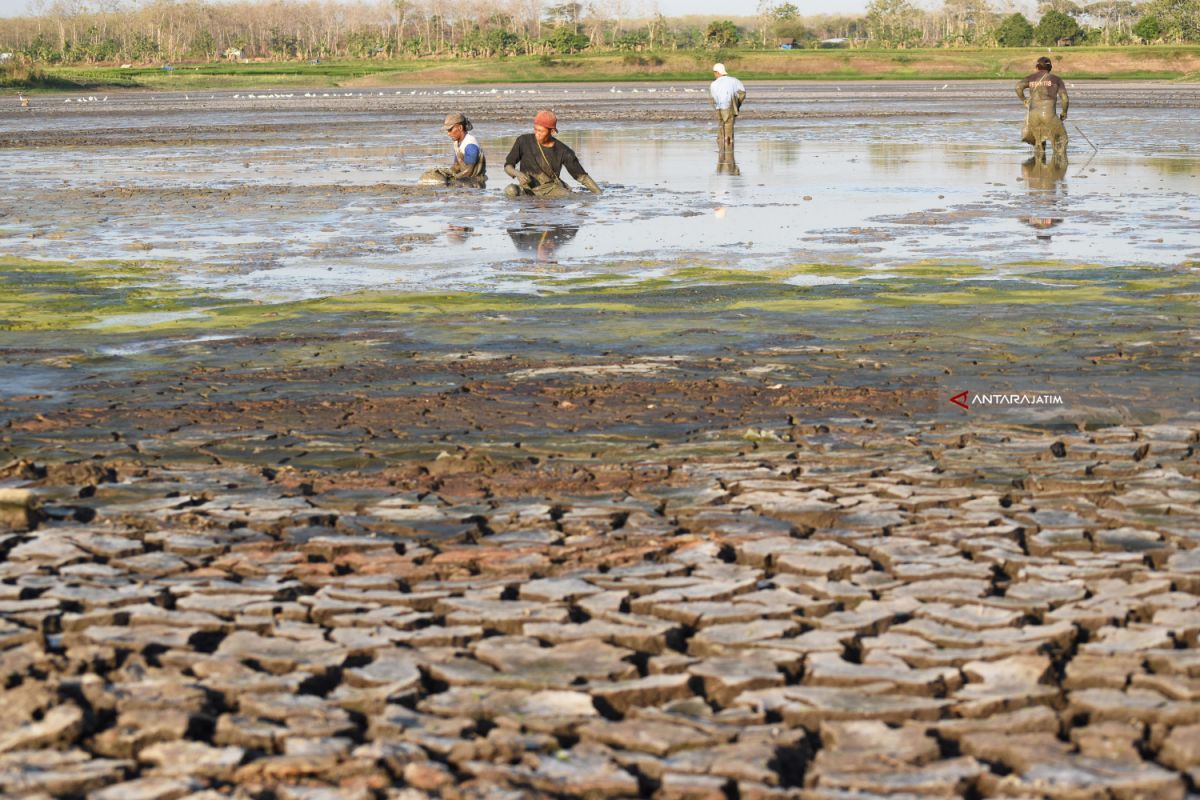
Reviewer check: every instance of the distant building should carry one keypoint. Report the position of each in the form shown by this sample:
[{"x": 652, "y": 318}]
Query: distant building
[
  {"x": 1065, "y": 41},
  {"x": 838, "y": 42},
  {"x": 787, "y": 44},
  {"x": 235, "y": 54}
]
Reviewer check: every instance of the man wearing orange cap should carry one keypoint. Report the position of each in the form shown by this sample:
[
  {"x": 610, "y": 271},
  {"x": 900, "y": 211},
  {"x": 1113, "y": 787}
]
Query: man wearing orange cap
[{"x": 537, "y": 158}]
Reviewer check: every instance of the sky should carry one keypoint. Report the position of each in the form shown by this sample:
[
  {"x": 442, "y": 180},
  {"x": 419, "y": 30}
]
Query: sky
[{"x": 734, "y": 8}]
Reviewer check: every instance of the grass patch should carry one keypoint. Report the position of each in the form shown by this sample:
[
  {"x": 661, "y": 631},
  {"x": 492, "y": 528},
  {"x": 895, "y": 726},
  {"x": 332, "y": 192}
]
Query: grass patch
[{"x": 1079, "y": 63}]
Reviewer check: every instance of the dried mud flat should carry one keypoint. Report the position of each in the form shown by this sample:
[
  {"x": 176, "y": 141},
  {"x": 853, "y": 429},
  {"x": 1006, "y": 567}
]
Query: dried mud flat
[{"x": 716, "y": 538}]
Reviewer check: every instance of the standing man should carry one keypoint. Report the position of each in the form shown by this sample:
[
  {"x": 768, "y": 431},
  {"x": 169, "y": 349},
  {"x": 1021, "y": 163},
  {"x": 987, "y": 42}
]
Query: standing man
[
  {"x": 728, "y": 94},
  {"x": 469, "y": 169},
  {"x": 1041, "y": 122},
  {"x": 541, "y": 158}
]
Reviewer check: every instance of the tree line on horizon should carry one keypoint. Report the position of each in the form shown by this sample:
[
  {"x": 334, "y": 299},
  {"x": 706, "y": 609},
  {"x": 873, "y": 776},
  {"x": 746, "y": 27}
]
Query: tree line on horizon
[{"x": 164, "y": 31}]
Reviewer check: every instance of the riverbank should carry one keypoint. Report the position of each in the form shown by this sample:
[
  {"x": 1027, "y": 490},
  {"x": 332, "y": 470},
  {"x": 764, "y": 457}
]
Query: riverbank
[{"x": 1176, "y": 63}]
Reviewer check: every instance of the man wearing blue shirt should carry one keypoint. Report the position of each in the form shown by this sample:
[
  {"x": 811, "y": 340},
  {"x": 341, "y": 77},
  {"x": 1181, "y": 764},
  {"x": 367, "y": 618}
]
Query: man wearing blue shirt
[
  {"x": 470, "y": 167},
  {"x": 728, "y": 94}
]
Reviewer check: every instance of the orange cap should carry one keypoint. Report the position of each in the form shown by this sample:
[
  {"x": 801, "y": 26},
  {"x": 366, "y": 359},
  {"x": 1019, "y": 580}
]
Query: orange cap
[{"x": 546, "y": 119}]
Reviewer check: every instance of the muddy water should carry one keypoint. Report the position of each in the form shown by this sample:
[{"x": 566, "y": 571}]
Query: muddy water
[{"x": 849, "y": 214}]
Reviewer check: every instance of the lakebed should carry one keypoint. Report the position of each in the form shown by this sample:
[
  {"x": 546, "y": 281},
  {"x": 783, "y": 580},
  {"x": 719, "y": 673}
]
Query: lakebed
[{"x": 661, "y": 491}]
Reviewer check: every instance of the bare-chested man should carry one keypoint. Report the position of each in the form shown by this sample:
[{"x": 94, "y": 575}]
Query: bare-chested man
[{"x": 1042, "y": 123}]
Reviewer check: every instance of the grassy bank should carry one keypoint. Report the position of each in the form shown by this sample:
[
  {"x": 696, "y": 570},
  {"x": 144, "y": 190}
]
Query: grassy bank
[{"x": 1082, "y": 63}]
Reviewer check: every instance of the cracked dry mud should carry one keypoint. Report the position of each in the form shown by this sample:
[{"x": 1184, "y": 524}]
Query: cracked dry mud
[
  {"x": 858, "y": 608},
  {"x": 713, "y": 537}
]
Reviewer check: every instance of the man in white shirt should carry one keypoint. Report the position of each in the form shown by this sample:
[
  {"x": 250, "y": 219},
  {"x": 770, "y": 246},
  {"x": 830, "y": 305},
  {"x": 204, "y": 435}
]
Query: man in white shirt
[
  {"x": 728, "y": 94},
  {"x": 469, "y": 169}
]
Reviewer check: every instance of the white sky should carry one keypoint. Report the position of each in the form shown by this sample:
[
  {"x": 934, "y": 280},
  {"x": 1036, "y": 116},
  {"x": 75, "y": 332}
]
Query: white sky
[{"x": 733, "y": 8}]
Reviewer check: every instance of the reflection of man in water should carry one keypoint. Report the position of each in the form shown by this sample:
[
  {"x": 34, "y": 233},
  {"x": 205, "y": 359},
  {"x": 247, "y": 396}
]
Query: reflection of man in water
[
  {"x": 726, "y": 163},
  {"x": 1044, "y": 174},
  {"x": 1041, "y": 122},
  {"x": 542, "y": 241},
  {"x": 728, "y": 94},
  {"x": 470, "y": 167},
  {"x": 1044, "y": 177},
  {"x": 541, "y": 159}
]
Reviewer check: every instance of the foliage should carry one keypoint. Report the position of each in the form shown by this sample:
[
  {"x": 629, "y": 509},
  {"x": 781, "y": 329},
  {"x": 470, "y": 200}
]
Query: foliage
[
  {"x": 1148, "y": 28},
  {"x": 892, "y": 22},
  {"x": 1179, "y": 19},
  {"x": 565, "y": 40},
  {"x": 722, "y": 33},
  {"x": 1015, "y": 31},
  {"x": 1055, "y": 25}
]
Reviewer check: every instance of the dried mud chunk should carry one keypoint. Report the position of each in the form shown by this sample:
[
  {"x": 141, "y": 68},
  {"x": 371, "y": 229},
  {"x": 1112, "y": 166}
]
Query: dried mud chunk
[
  {"x": 61, "y": 726},
  {"x": 829, "y": 669},
  {"x": 141, "y": 728},
  {"x": 1114, "y": 741},
  {"x": 1073, "y": 776},
  {"x": 719, "y": 639},
  {"x": 652, "y": 690},
  {"x": 508, "y": 617},
  {"x": 679, "y": 786},
  {"x": 647, "y": 736},
  {"x": 74, "y": 772},
  {"x": 952, "y": 778},
  {"x": 724, "y": 678},
  {"x": 583, "y": 771},
  {"x": 1005, "y": 685},
  {"x": 1181, "y": 749},
  {"x": 149, "y": 789},
  {"x": 1017, "y": 752},
  {"x": 195, "y": 759},
  {"x": 280, "y": 655},
  {"x": 557, "y": 666},
  {"x": 810, "y": 705}
]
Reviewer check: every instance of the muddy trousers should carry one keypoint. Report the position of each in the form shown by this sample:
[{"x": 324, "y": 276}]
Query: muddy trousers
[
  {"x": 1042, "y": 126},
  {"x": 540, "y": 186},
  {"x": 725, "y": 120}
]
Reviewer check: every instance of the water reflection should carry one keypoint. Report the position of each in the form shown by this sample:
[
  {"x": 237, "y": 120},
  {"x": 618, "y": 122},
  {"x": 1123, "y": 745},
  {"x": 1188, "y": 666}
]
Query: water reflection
[
  {"x": 542, "y": 241},
  {"x": 1045, "y": 174},
  {"x": 726, "y": 163}
]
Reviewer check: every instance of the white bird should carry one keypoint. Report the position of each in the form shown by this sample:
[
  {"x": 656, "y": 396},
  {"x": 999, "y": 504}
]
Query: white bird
[{"x": 944, "y": 88}]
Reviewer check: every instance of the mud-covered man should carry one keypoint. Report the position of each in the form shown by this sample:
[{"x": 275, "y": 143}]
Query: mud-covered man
[
  {"x": 727, "y": 94},
  {"x": 537, "y": 159},
  {"x": 1042, "y": 123},
  {"x": 469, "y": 169}
]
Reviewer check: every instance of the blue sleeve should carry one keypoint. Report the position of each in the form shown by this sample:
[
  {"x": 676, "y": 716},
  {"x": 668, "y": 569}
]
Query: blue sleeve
[{"x": 471, "y": 154}]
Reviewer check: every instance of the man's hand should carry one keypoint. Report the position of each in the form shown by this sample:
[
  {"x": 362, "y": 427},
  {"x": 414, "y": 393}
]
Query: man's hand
[
  {"x": 1063, "y": 116},
  {"x": 523, "y": 179},
  {"x": 590, "y": 184}
]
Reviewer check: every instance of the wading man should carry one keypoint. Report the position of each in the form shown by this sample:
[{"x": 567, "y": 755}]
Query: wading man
[
  {"x": 1041, "y": 122},
  {"x": 728, "y": 94},
  {"x": 469, "y": 169},
  {"x": 537, "y": 159}
]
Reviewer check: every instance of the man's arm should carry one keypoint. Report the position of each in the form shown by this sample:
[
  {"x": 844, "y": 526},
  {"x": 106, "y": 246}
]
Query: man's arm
[
  {"x": 510, "y": 164},
  {"x": 576, "y": 171},
  {"x": 1021, "y": 84},
  {"x": 1062, "y": 91}
]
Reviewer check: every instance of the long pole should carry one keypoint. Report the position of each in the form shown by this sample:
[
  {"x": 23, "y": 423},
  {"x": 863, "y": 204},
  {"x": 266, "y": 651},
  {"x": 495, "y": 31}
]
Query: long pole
[{"x": 1085, "y": 138}]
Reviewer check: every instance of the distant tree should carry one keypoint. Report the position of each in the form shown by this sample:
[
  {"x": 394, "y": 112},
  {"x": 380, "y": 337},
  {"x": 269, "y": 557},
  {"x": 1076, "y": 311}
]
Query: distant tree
[
  {"x": 892, "y": 23},
  {"x": 720, "y": 34},
  {"x": 1148, "y": 28},
  {"x": 564, "y": 40},
  {"x": 1068, "y": 7},
  {"x": 1179, "y": 19},
  {"x": 1055, "y": 25},
  {"x": 1015, "y": 31}
]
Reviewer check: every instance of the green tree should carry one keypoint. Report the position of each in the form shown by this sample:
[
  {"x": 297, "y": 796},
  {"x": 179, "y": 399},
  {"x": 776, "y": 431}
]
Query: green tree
[
  {"x": 1055, "y": 25},
  {"x": 1179, "y": 19},
  {"x": 1148, "y": 28},
  {"x": 721, "y": 34},
  {"x": 892, "y": 22},
  {"x": 564, "y": 40},
  {"x": 1015, "y": 31}
]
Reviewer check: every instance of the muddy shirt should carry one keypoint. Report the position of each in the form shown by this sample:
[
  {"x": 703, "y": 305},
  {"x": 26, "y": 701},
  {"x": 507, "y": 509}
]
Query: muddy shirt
[
  {"x": 468, "y": 159},
  {"x": 1043, "y": 87},
  {"x": 543, "y": 160}
]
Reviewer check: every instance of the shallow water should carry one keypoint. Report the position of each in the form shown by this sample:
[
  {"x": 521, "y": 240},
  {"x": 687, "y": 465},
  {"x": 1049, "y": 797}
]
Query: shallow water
[
  {"x": 894, "y": 177},
  {"x": 848, "y": 212}
]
